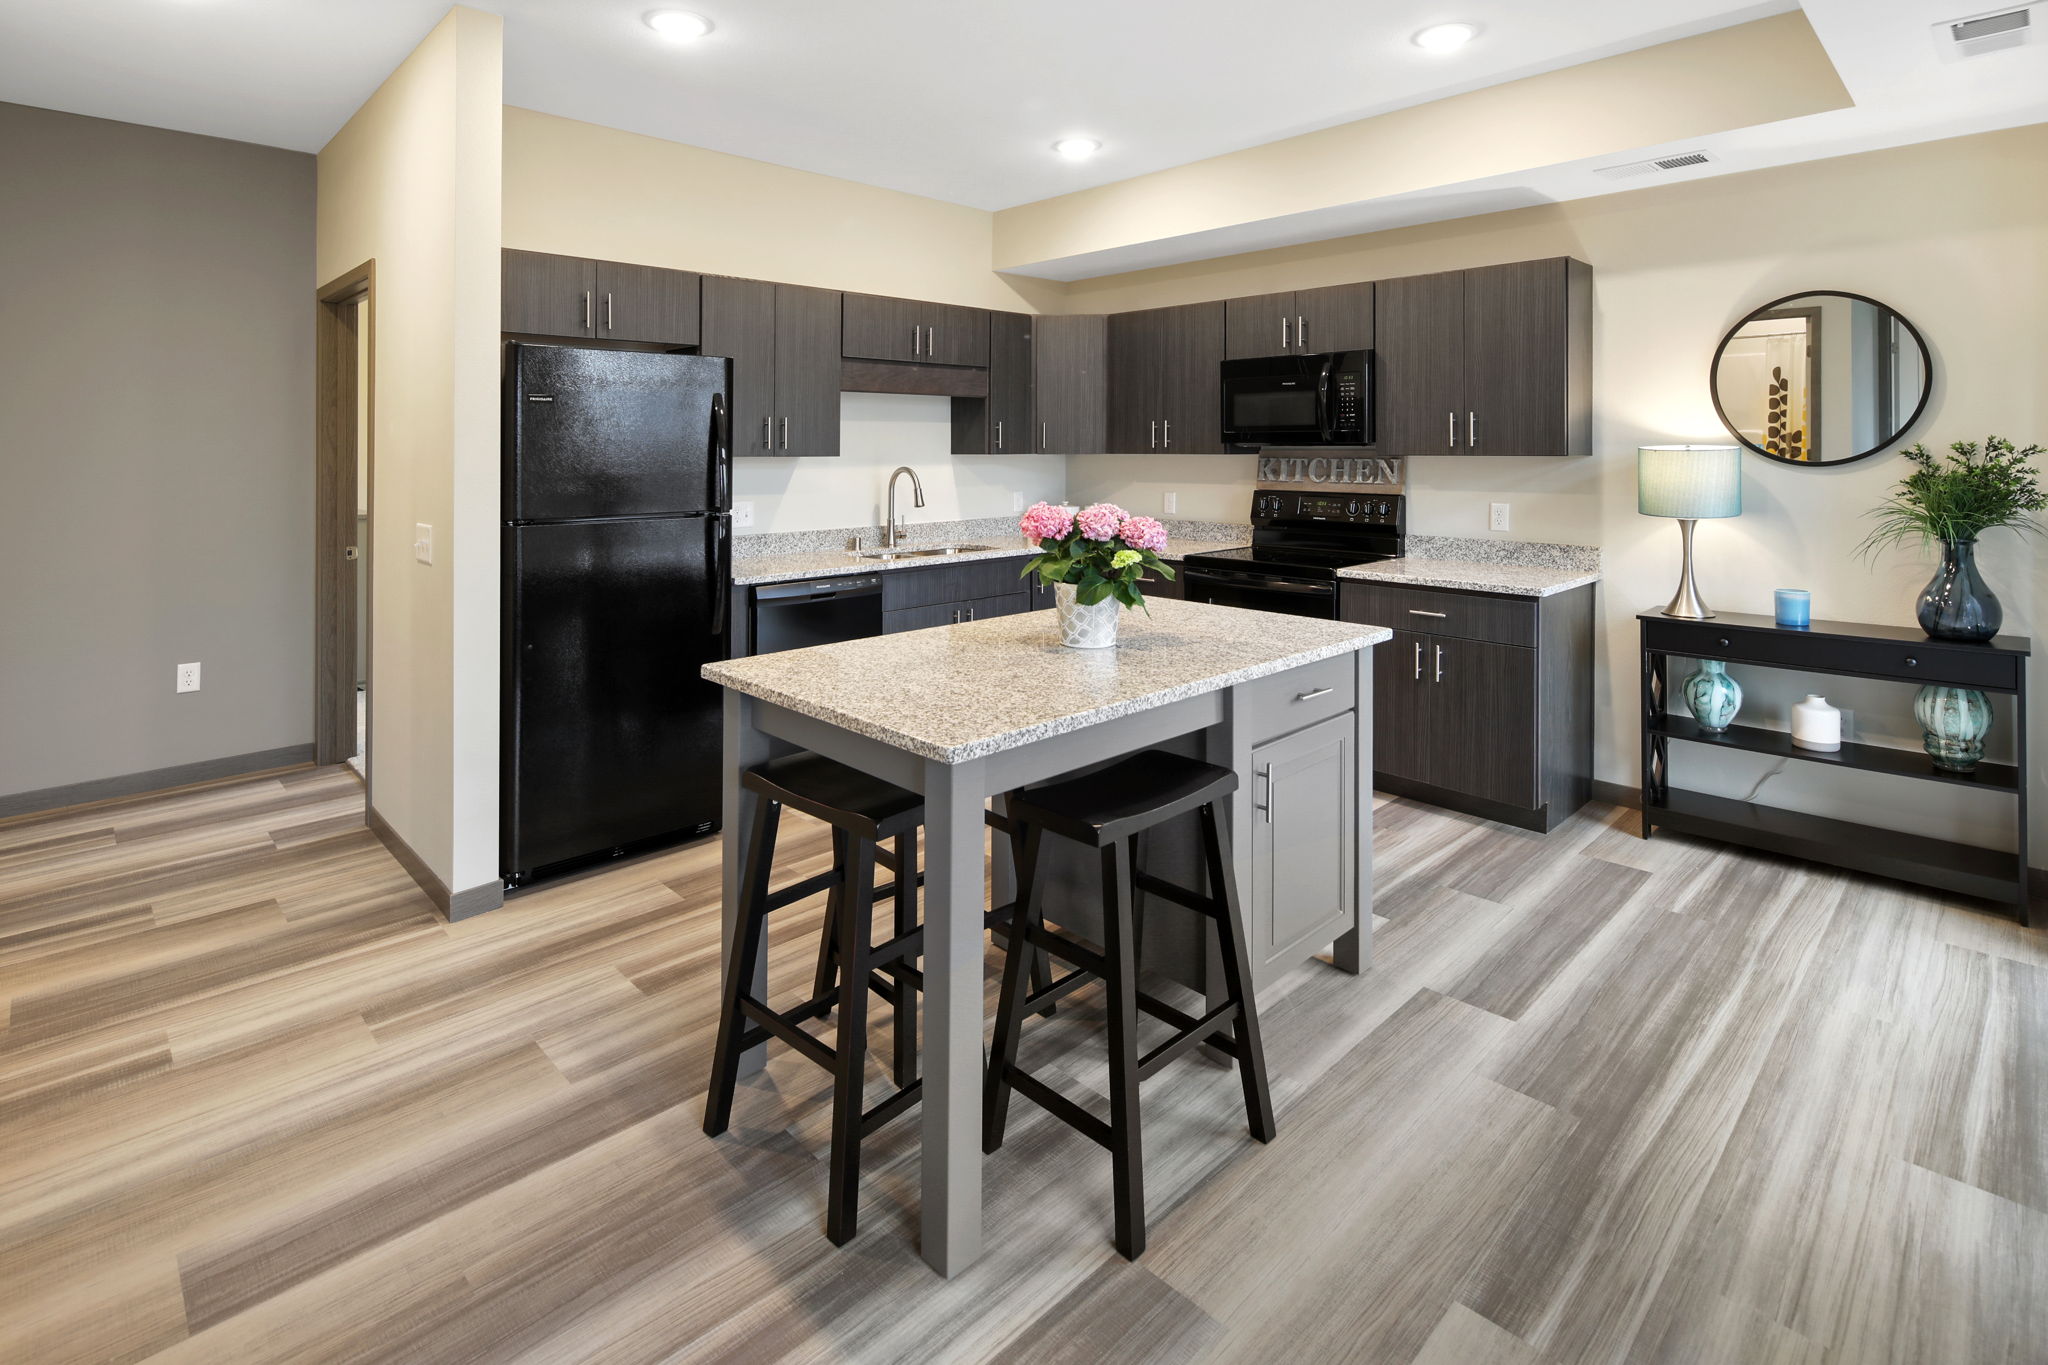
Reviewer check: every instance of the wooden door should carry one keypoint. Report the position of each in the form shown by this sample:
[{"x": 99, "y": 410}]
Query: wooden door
[
  {"x": 1419, "y": 364},
  {"x": 1335, "y": 318},
  {"x": 550, "y": 296},
  {"x": 1516, "y": 356},
  {"x": 1259, "y": 325},
  {"x": 739, "y": 321},
  {"x": 1070, "y": 381},
  {"x": 1304, "y": 836},
  {"x": 1400, "y": 706},
  {"x": 807, "y": 332},
  {"x": 1137, "y": 364},
  {"x": 646, "y": 303},
  {"x": 1191, "y": 408},
  {"x": 879, "y": 328},
  {"x": 1011, "y": 430},
  {"x": 956, "y": 335},
  {"x": 1482, "y": 719}
]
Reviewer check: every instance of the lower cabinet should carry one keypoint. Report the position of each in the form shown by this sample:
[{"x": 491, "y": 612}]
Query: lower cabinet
[
  {"x": 954, "y": 613},
  {"x": 1304, "y": 840}
]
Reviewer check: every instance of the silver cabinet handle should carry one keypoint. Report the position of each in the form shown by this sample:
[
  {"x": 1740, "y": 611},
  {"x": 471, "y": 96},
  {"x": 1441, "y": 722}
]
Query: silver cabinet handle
[
  {"x": 785, "y": 433},
  {"x": 768, "y": 433},
  {"x": 999, "y": 433},
  {"x": 1454, "y": 428},
  {"x": 1267, "y": 805},
  {"x": 1154, "y": 440},
  {"x": 608, "y": 326},
  {"x": 1471, "y": 429},
  {"x": 1418, "y": 611},
  {"x": 1439, "y": 664},
  {"x": 586, "y": 311},
  {"x": 931, "y": 343},
  {"x": 1418, "y": 661},
  {"x": 1301, "y": 332},
  {"x": 1044, "y": 436},
  {"x": 1166, "y": 433},
  {"x": 916, "y": 340},
  {"x": 970, "y": 613},
  {"x": 1283, "y": 334},
  {"x": 1312, "y": 695}
]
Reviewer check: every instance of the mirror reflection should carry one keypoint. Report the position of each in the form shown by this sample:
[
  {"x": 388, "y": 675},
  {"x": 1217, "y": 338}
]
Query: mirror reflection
[{"x": 1820, "y": 378}]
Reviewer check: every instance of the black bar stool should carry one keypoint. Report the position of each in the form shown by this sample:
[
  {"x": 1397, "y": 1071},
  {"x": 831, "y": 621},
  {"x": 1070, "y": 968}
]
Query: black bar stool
[
  {"x": 863, "y": 812},
  {"x": 1107, "y": 810}
]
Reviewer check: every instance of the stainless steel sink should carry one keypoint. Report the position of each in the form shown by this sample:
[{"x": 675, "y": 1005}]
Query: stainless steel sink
[{"x": 918, "y": 551}]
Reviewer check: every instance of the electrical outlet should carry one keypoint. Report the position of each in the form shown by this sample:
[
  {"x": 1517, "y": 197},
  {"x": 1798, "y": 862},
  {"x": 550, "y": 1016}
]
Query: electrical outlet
[
  {"x": 188, "y": 677},
  {"x": 1016, "y": 502},
  {"x": 1170, "y": 503},
  {"x": 1497, "y": 518},
  {"x": 423, "y": 542},
  {"x": 742, "y": 514}
]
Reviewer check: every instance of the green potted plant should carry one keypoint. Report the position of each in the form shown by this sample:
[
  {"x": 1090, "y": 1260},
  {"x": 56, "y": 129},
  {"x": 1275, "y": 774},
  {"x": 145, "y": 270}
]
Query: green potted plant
[
  {"x": 1954, "y": 500},
  {"x": 1093, "y": 560}
]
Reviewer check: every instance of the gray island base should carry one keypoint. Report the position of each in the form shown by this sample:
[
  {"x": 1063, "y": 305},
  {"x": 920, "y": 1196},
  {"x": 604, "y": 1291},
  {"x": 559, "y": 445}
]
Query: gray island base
[{"x": 966, "y": 712}]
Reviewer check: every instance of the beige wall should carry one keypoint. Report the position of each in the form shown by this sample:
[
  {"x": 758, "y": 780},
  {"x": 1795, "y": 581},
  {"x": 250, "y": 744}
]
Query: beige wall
[
  {"x": 156, "y": 439},
  {"x": 412, "y": 183},
  {"x": 1953, "y": 234}
]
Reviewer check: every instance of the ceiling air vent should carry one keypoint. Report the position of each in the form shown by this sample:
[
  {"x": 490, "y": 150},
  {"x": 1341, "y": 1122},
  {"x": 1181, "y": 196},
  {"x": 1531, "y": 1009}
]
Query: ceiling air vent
[
  {"x": 1983, "y": 33},
  {"x": 1656, "y": 165}
]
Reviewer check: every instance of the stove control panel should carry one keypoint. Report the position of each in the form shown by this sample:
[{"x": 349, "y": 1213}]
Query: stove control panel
[{"x": 1361, "y": 508}]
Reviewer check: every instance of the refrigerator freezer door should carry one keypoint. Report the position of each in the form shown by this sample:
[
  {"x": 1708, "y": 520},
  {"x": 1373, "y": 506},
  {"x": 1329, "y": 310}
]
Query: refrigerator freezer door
[
  {"x": 611, "y": 736},
  {"x": 591, "y": 433}
]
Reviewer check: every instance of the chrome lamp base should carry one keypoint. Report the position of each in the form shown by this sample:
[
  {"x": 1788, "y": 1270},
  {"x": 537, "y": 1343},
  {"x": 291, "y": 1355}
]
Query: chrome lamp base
[{"x": 1686, "y": 601}]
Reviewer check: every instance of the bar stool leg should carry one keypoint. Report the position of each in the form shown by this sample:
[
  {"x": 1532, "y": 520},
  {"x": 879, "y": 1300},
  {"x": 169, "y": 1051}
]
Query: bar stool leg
[
  {"x": 739, "y": 968},
  {"x": 855, "y": 928},
  {"x": 904, "y": 1028},
  {"x": 1251, "y": 1054},
  {"x": 828, "y": 941},
  {"x": 1126, "y": 1145},
  {"x": 1021, "y": 961}
]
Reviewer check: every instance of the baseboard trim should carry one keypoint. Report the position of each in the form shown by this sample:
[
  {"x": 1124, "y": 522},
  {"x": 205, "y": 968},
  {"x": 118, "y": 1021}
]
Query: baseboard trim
[
  {"x": 154, "y": 780},
  {"x": 454, "y": 904}
]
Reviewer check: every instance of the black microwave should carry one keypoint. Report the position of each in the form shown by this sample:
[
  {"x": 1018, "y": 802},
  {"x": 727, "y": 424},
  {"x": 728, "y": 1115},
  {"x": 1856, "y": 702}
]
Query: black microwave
[{"x": 1299, "y": 400}]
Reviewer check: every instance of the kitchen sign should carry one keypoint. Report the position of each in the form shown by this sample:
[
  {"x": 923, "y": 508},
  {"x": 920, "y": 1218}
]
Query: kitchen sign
[{"x": 1370, "y": 470}]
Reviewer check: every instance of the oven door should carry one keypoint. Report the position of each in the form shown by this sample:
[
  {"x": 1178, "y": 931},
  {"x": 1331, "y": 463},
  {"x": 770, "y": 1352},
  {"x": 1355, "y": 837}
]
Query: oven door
[
  {"x": 1279, "y": 400},
  {"x": 1261, "y": 592}
]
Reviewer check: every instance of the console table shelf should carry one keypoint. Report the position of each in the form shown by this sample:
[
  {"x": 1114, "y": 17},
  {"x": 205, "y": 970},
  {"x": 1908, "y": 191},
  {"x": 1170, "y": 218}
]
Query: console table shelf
[{"x": 1888, "y": 653}]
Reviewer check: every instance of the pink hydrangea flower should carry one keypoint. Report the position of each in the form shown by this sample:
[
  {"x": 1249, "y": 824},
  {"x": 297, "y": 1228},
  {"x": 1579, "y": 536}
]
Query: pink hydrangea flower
[
  {"x": 1143, "y": 533},
  {"x": 1047, "y": 522},
  {"x": 1100, "y": 522}
]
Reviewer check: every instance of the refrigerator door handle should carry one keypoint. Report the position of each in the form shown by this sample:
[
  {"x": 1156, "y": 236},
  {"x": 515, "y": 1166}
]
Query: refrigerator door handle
[
  {"x": 721, "y": 454},
  {"x": 721, "y": 574}
]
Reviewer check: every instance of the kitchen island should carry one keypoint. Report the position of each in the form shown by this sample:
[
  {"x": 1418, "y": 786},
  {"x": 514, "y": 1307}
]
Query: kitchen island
[{"x": 964, "y": 712}]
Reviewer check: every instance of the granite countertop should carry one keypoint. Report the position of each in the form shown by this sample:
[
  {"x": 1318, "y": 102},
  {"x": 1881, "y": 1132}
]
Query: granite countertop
[
  {"x": 957, "y": 693},
  {"x": 753, "y": 570},
  {"x": 1471, "y": 575}
]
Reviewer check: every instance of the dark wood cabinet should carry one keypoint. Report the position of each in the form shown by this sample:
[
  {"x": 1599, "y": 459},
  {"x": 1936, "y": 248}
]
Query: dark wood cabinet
[
  {"x": 1419, "y": 363},
  {"x": 881, "y": 328},
  {"x": 739, "y": 321},
  {"x": 1258, "y": 325},
  {"x": 1070, "y": 383},
  {"x": 784, "y": 343},
  {"x": 1337, "y": 317},
  {"x": 1136, "y": 391},
  {"x": 647, "y": 303},
  {"x": 1486, "y": 708},
  {"x": 546, "y": 295},
  {"x": 1165, "y": 390},
  {"x": 1010, "y": 429},
  {"x": 567, "y": 296},
  {"x": 955, "y": 335}
]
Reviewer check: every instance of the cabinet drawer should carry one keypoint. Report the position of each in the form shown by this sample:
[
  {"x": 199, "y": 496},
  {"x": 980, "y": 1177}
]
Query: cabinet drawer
[
  {"x": 1285, "y": 702},
  {"x": 1915, "y": 661},
  {"x": 1441, "y": 611},
  {"x": 903, "y": 588}
]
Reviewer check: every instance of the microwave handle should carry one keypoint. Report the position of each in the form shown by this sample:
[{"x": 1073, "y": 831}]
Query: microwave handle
[{"x": 1323, "y": 406}]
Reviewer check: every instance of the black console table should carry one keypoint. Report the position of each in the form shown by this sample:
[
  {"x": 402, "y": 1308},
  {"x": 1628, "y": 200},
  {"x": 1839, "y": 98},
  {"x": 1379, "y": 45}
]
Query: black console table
[{"x": 1893, "y": 653}]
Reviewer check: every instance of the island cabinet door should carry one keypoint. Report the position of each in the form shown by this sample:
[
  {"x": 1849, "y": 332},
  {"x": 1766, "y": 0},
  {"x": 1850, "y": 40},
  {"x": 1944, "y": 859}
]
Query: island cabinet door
[
  {"x": 1482, "y": 719},
  {"x": 1304, "y": 839},
  {"x": 1400, "y": 707}
]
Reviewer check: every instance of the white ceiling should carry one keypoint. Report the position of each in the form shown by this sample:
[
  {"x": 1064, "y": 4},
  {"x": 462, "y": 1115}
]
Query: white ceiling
[{"x": 954, "y": 99}]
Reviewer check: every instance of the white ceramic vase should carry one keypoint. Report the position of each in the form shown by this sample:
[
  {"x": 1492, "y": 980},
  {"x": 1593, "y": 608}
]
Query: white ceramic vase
[
  {"x": 1085, "y": 627},
  {"x": 1816, "y": 725}
]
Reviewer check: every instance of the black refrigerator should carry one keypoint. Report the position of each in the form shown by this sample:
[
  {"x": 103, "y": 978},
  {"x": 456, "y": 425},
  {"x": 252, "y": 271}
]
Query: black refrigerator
[{"x": 617, "y": 561}]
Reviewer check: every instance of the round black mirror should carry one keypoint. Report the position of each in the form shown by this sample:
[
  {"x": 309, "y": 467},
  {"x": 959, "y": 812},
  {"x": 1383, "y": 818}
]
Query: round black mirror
[{"x": 1821, "y": 378}]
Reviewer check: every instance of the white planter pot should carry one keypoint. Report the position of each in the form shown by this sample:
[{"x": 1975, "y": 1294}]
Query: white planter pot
[
  {"x": 1816, "y": 725},
  {"x": 1085, "y": 627}
]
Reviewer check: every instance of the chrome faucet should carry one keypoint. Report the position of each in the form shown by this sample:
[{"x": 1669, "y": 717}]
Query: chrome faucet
[{"x": 892, "y": 532}]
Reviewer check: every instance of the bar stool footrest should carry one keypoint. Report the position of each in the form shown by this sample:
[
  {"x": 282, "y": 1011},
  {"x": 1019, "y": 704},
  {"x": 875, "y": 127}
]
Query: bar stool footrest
[
  {"x": 1179, "y": 895},
  {"x": 1212, "y": 1022},
  {"x": 783, "y": 1026},
  {"x": 1064, "y": 986},
  {"x": 1058, "y": 1105},
  {"x": 888, "y": 1109}
]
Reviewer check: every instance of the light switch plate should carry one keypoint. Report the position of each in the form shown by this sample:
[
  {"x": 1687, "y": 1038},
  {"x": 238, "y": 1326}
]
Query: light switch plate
[
  {"x": 742, "y": 514},
  {"x": 1016, "y": 501},
  {"x": 423, "y": 542},
  {"x": 188, "y": 677},
  {"x": 1170, "y": 503},
  {"x": 1497, "y": 518}
]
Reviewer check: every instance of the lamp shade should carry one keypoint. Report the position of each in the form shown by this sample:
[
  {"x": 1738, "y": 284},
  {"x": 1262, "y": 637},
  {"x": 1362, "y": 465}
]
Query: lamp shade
[{"x": 1689, "y": 481}]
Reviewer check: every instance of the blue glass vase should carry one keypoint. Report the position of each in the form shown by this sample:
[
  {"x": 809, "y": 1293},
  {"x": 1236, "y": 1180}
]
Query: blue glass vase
[
  {"x": 1956, "y": 720},
  {"x": 1712, "y": 696},
  {"x": 1956, "y": 604}
]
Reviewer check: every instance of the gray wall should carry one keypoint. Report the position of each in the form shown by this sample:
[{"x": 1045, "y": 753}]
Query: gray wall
[{"x": 156, "y": 447}]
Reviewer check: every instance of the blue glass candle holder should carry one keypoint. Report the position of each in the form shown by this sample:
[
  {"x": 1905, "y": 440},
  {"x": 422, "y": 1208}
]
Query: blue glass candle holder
[{"x": 1795, "y": 608}]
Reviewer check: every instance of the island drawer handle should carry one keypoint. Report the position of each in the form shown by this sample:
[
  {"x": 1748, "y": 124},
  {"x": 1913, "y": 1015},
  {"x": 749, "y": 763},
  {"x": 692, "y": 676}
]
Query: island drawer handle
[
  {"x": 1267, "y": 805},
  {"x": 1418, "y": 611},
  {"x": 1311, "y": 696}
]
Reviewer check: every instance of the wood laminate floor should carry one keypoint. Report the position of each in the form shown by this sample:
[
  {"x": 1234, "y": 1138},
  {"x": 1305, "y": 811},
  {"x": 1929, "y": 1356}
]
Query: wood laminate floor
[{"x": 1598, "y": 1100}]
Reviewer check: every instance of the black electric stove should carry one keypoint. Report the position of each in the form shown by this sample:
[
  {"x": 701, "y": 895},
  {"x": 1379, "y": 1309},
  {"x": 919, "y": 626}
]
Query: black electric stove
[{"x": 1299, "y": 541}]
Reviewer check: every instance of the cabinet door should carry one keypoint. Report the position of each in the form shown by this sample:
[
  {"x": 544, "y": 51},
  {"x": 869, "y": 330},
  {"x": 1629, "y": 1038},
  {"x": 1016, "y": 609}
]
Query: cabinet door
[
  {"x": 1260, "y": 325},
  {"x": 1400, "y": 707},
  {"x": 1070, "y": 379},
  {"x": 550, "y": 296},
  {"x": 1010, "y": 428},
  {"x": 923, "y": 618},
  {"x": 1304, "y": 833},
  {"x": 806, "y": 370},
  {"x": 1516, "y": 354},
  {"x": 739, "y": 321},
  {"x": 1191, "y": 414},
  {"x": 1136, "y": 380},
  {"x": 1335, "y": 318},
  {"x": 1155, "y": 586},
  {"x": 955, "y": 335},
  {"x": 1482, "y": 719},
  {"x": 644, "y": 303},
  {"x": 878, "y": 328},
  {"x": 984, "y": 608},
  {"x": 1419, "y": 364}
]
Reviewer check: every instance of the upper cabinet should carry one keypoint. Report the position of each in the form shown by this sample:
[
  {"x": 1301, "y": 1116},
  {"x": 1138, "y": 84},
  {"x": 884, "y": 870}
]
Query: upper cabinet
[
  {"x": 1492, "y": 361},
  {"x": 880, "y": 328},
  {"x": 1338, "y": 317},
  {"x": 1165, "y": 386},
  {"x": 567, "y": 296},
  {"x": 1070, "y": 383},
  {"x": 1000, "y": 423},
  {"x": 784, "y": 343}
]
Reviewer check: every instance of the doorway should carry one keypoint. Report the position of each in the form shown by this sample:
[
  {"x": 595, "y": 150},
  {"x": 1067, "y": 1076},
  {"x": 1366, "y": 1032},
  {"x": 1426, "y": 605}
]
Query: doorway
[{"x": 344, "y": 481}]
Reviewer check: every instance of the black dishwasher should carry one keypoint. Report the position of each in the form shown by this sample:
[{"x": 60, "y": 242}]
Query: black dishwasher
[{"x": 816, "y": 611}]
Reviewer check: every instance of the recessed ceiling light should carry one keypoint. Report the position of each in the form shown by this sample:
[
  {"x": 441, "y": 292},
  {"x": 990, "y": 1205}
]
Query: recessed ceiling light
[
  {"x": 1446, "y": 37},
  {"x": 1077, "y": 148},
  {"x": 680, "y": 25}
]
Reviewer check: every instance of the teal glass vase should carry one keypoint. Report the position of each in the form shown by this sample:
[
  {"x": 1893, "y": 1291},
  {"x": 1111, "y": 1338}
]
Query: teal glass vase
[
  {"x": 1956, "y": 720},
  {"x": 1712, "y": 696}
]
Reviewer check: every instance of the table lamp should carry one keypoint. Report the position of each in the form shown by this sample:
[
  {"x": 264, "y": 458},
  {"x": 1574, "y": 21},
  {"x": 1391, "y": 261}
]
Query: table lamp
[{"x": 1688, "y": 482}]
